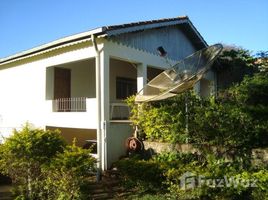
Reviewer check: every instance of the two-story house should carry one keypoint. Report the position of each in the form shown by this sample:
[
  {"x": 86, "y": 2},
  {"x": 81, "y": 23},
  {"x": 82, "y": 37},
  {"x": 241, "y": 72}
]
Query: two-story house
[{"x": 77, "y": 84}]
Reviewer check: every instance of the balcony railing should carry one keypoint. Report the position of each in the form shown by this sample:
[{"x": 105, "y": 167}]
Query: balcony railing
[{"x": 74, "y": 104}]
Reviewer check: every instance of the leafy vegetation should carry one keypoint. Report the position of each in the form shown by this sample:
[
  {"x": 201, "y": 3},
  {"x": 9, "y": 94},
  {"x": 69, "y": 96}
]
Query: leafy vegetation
[
  {"x": 223, "y": 129},
  {"x": 42, "y": 166}
]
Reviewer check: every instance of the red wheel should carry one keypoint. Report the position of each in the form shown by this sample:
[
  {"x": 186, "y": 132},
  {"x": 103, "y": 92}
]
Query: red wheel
[{"x": 134, "y": 144}]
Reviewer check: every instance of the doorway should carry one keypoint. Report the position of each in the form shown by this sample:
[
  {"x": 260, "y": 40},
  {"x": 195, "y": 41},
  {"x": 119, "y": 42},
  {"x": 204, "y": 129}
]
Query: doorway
[{"x": 62, "y": 83}]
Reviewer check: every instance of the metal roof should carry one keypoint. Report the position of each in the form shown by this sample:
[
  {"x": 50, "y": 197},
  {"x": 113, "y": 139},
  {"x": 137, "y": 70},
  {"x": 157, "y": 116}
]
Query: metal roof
[{"x": 183, "y": 21}]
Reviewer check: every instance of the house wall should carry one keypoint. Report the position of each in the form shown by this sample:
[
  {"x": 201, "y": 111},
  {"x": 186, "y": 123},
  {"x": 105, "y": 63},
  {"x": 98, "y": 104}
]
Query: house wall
[
  {"x": 83, "y": 81},
  {"x": 207, "y": 85},
  {"x": 23, "y": 94},
  {"x": 174, "y": 41},
  {"x": 23, "y": 87},
  {"x": 119, "y": 68},
  {"x": 118, "y": 133}
]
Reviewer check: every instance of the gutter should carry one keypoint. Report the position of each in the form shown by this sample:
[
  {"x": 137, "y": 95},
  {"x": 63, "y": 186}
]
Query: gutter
[{"x": 98, "y": 97}]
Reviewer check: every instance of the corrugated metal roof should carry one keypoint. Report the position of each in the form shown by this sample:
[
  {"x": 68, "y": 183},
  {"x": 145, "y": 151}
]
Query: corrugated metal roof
[
  {"x": 107, "y": 31},
  {"x": 113, "y": 27}
]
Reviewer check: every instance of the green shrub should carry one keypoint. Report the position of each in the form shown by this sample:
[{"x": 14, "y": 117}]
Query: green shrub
[
  {"x": 24, "y": 153},
  {"x": 68, "y": 174},
  {"x": 166, "y": 121},
  {"x": 236, "y": 182},
  {"x": 147, "y": 176},
  {"x": 43, "y": 167},
  {"x": 164, "y": 172}
]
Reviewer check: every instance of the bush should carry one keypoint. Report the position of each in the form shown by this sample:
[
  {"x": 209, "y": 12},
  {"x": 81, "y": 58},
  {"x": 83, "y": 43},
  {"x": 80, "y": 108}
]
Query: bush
[
  {"x": 24, "y": 153},
  {"x": 236, "y": 181},
  {"x": 167, "y": 118},
  {"x": 147, "y": 176},
  {"x": 68, "y": 174},
  {"x": 42, "y": 166}
]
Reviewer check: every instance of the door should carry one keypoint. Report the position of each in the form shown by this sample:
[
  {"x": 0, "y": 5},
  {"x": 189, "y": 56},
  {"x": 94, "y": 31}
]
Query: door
[
  {"x": 62, "y": 90},
  {"x": 62, "y": 83}
]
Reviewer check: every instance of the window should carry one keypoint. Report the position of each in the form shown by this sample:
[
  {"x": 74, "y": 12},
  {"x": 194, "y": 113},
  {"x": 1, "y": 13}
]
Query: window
[{"x": 125, "y": 87}]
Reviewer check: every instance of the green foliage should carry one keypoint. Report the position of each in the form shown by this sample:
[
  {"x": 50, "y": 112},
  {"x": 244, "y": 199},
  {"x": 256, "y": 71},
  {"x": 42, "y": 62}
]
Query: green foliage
[
  {"x": 164, "y": 120},
  {"x": 23, "y": 154},
  {"x": 147, "y": 176},
  {"x": 232, "y": 65},
  {"x": 67, "y": 176},
  {"x": 236, "y": 120},
  {"x": 236, "y": 180},
  {"x": 252, "y": 95},
  {"x": 262, "y": 61},
  {"x": 223, "y": 129},
  {"x": 42, "y": 166}
]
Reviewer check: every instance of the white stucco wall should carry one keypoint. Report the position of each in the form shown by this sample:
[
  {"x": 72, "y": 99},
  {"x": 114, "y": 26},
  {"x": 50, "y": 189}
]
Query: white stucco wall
[
  {"x": 23, "y": 89},
  {"x": 118, "y": 133}
]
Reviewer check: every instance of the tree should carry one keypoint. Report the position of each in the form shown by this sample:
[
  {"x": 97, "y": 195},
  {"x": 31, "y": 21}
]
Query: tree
[{"x": 232, "y": 65}]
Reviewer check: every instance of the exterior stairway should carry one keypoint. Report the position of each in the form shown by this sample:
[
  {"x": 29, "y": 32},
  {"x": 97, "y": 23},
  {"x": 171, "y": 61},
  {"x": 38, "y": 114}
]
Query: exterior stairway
[
  {"x": 108, "y": 188},
  {"x": 5, "y": 193}
]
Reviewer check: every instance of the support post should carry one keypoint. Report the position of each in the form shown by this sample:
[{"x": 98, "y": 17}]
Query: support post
[
  {"x": 141, "y": 76},
  {"x": 105, "y": 105}
]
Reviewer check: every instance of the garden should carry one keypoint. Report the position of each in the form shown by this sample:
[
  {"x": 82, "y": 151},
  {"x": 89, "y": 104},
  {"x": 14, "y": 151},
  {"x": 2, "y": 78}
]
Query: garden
[{"x": 224, "y": 131}]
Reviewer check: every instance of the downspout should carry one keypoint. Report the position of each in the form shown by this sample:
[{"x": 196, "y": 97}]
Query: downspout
[{"x": 98, "y": 97}]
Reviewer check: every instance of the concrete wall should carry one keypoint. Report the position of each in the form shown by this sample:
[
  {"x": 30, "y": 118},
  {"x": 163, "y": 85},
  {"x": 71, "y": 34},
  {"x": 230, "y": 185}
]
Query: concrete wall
[
  {"x": 23, "y": 85},
  {"x": 259, "y": 156},
  {"x": 116, "y": 138}
]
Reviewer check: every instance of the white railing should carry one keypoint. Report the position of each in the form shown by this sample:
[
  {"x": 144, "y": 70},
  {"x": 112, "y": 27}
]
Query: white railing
[
  {"x": 74, "y": 104},
  {"x": 119, "y": 111}
]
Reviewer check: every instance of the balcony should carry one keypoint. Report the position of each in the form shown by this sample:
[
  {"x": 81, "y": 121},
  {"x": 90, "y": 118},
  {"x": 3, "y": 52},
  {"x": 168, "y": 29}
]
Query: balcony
[{"x": 75, "y": 112}]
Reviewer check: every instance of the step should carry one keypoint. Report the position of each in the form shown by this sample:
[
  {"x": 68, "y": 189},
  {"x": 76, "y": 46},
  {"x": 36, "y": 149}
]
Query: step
[{"x": 5, "y": 193}]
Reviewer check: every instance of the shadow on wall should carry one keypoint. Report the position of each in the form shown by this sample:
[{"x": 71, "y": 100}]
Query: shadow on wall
[{"x": 81, "y": 135}]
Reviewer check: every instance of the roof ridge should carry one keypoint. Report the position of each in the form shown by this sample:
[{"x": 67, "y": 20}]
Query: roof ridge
[{"x": 139, "y": 23}]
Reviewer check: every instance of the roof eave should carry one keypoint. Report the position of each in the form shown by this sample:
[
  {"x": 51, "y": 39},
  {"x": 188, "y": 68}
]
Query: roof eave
[
  {"x": 109, "y": 31},
  {"x": 56, "y": 43}
]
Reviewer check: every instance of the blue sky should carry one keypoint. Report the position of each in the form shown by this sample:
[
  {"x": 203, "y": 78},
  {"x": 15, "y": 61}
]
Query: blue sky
[{"x": 28, "y": 23}]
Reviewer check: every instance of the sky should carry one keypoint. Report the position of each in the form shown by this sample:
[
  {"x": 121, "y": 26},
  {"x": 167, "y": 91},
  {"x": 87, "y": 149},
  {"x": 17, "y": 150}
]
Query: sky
[{"x": 25, "y": 24}]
